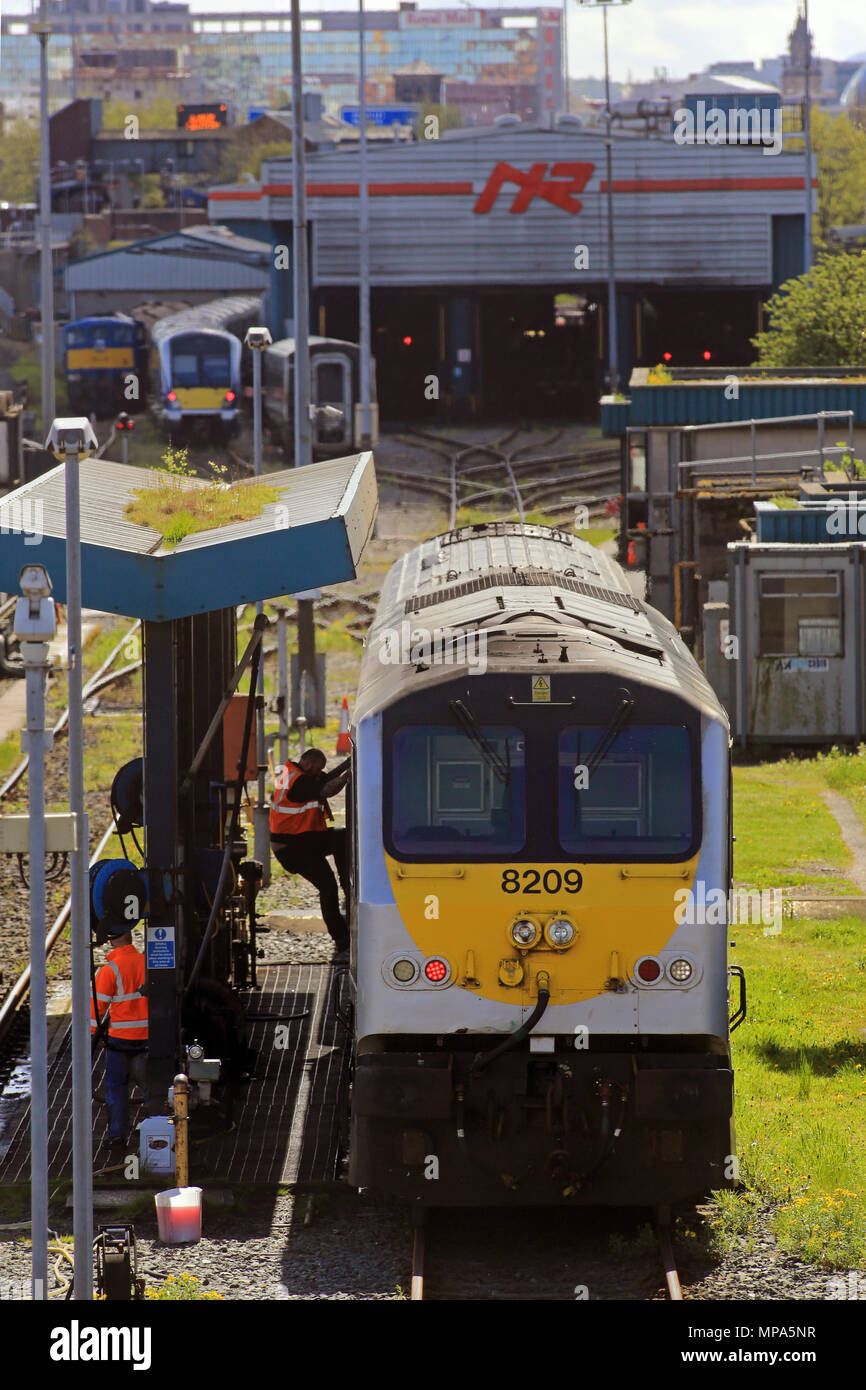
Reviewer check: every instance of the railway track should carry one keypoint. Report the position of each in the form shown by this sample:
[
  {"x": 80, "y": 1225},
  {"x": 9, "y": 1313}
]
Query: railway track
[
  {"x": 569, "y": 1273},
  {"x": 505, "y": 473},
  {"x": 17, "y": 993}
]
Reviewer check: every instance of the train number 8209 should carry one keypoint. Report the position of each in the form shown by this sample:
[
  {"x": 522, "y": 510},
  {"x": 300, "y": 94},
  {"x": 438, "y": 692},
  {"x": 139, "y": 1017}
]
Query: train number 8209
[{"x": 551, "y": 881}]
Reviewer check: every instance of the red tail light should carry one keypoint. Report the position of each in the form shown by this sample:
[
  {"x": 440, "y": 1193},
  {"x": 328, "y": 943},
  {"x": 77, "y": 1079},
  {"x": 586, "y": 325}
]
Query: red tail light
[
  {"x": 436, "y": 970},
  {"x": 667, "y": 356},
  {"x": 172, "y": 396},
  {"x": 649, "y": 970},
  {"x": 707, "y": 356},
  {"x": 230, "y": 395}
]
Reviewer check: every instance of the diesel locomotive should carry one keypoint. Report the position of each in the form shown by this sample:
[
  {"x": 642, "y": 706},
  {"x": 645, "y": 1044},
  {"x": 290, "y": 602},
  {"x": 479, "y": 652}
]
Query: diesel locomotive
[{"x": 543, "y": 775}]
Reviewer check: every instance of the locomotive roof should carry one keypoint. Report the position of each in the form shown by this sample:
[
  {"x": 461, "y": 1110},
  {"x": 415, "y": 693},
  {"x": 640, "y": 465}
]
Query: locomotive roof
[
  {"x": 521, "y": 582},
  {"x": 214, "y": 316},
  {"x": 285, "y": 347}
]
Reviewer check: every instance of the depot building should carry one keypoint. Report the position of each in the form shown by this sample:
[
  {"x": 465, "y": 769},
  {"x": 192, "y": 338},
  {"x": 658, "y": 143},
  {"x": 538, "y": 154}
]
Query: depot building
[{"x": 489, "y": 259}]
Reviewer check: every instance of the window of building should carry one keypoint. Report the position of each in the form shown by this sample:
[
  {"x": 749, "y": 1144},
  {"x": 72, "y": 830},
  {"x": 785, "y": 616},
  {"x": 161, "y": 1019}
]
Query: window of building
[{"x": 800, "y": 615}]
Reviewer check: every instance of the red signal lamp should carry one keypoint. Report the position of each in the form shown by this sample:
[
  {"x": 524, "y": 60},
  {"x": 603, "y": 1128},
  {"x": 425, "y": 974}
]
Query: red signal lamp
[
  {"x": 436, "y": 970},
  {"x": 172, "y": 396},
  {"x": 230, "y": 395},
  {"x": 407, "y": 341},
  {"x": 667, "y": 356},
  {"x": 707, "y": 356}
]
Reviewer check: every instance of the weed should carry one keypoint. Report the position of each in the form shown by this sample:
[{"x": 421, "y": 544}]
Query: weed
[{"x": 185, "y": 1286}]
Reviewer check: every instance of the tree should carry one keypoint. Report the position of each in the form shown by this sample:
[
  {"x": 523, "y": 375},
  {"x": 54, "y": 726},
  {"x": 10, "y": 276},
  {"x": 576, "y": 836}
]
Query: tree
[
  {"x": 159, "y": 113},
  {"x": 840, "y": 148},
  {"x": 244, "y": 152},
  {"x": 18, "y": 178},
  {"x": 818, "y": 319},
  {"x": 448, "y": 118},
  {"x": 153, "y": 196}
]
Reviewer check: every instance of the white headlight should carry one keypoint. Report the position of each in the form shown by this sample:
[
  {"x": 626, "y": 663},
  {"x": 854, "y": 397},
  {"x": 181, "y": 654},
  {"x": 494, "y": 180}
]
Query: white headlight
[
  {"x": 524, "y": 932},
  {"x": 404, "y": 970},
  {"x": 560, "y": 932},
  {"x": 680, "y": 970}
]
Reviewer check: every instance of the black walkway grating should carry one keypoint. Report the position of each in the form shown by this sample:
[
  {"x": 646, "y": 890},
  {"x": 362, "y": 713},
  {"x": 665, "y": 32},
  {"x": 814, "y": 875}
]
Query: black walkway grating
[{"x": 286, "y": 1120}]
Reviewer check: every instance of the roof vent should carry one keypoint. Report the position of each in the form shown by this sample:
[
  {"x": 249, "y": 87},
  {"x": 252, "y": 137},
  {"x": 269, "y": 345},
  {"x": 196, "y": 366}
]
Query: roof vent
[{"x": 508, "y": 118}]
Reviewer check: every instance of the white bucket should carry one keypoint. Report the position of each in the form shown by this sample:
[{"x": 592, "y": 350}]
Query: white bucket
[{"x": 178, "y": 1212}]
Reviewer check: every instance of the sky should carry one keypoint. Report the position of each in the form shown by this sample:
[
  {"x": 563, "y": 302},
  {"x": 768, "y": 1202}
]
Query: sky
[{"x": 682, "y": 36}]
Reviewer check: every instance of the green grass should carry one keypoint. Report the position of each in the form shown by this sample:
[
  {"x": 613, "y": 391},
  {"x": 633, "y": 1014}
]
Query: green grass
[
  {"x": 597, "y": 535},
  {"x": 800, "y": 1067},
  {"x": 786, "y": 836},
  {"x": 845, "y": 771},
  {"x": 800, "y": 1057},
  {"x": 175, "y": 510}
]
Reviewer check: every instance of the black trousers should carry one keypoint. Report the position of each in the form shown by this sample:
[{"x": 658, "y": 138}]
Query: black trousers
[{"x": 308, "y": 855}]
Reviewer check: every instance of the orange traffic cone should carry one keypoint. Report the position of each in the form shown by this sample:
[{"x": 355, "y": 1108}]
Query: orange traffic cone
[{"x": 344, "y": 742}]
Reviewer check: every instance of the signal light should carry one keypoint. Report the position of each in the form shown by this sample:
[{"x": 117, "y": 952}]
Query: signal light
[
  {"x": 707, "y": 356},
  {"x": 649, "y": 970},
  {"x": 172, "y": 396},
  {"x": 124, "y": 422},
  {"x": 230, "y": 395},
  {"x": 667, "y": 356},
  {"x": 407, "y": 341},
  {"x": 436, "y": 970}
]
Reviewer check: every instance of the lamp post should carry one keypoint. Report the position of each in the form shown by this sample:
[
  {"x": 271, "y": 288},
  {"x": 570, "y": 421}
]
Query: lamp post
[
  {"x": 303, "y": 423},
  {"x": 612, "y": 354},
  {"x": 807, "y": 134},
  {"x": 257, "y": 340},
  {"x": 365, "y": 423},
  {"x": 35, "y": 626},
  {"x": 43, "y": 30},
  {"x": 70, "y": 440}
]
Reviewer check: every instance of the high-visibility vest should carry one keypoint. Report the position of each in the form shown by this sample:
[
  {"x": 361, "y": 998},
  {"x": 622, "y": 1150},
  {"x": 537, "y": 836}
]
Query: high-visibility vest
[
  {"x": 290, "y": 817},
  {"x": 120, "y": 992}
]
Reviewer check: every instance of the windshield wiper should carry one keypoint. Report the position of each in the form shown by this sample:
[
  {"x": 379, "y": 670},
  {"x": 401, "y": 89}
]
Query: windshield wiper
[{"x": 499, "y": 766}]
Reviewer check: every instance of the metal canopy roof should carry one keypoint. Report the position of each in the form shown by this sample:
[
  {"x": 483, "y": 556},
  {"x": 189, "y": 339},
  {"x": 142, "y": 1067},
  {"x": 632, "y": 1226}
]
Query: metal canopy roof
[{"x": 314, "y": 534}]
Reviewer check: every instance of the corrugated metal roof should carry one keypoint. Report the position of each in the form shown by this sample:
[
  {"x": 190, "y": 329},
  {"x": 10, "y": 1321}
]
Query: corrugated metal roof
[
  {"x": 184, "y": 261},
  {"x": 683, "y": 212},
  {"x": 313, "y": 534}
]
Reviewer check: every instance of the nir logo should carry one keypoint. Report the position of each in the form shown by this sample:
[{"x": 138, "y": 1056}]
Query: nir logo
[{"x": 565, "y": 180}]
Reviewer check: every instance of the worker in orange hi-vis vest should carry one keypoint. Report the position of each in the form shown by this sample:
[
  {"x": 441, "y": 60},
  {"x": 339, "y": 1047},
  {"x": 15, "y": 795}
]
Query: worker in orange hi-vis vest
[
  {"x": 120, "y": 993},
  {"x": 301, "y": 838}
]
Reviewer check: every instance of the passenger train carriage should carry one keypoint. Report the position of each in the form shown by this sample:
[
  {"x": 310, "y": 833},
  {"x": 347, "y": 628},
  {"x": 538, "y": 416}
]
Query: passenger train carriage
[
  {"x": 197, "y": 367},
  {"x": 335, "y": 389},
  {"x": 544, "y": 777}
]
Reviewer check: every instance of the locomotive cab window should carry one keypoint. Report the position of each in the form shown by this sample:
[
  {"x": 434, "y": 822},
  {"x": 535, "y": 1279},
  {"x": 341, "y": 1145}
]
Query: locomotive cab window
[
  {"x": 637, "y": 801},
  {"x": 453, "y": 794},
  {"x": 196, "y": 360}
]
